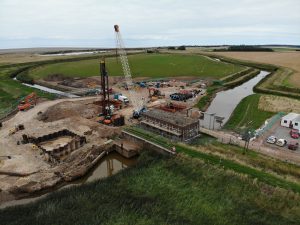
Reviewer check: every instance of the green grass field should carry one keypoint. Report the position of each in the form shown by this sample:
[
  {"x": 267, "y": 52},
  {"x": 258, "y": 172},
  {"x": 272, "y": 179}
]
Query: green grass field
[
  {"x": 143, "y": 65},
  {"x": 229, "y": 157},
  {"x": 12, "y": 91},
  {"x": 161, "y": 190},
  {"x": 247, "y": 114}
]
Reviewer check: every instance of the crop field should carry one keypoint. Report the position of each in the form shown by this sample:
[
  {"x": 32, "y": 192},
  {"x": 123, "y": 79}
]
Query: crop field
[
  {"x": 6, "y": 59},
  {"x": 247, "y": 114},
  {"x": 143, "y": 65},
  {"x": 34, "y": 55},
  {"x": 275, "y": 104},
  {"x": 162, "y": 190},
  {"x": 283, "y": 59}
]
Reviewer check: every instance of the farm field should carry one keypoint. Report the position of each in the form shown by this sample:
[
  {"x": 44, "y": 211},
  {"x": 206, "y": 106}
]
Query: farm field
[
  {"x": 161, "y": 190},
  {"x": 34, "y": 55},
  {"x": 289, "y": 60},
  {"x": 273, "y": 103},
  {"x": 144, "y": 65},
  {"x": 10, "y": 58},
  {"x": 248, "y": 114}
]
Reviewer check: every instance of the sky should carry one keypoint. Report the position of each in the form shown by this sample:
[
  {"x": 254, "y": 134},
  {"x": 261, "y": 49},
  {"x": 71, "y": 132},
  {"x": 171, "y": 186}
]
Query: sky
[{"x": 146, "y": 23}]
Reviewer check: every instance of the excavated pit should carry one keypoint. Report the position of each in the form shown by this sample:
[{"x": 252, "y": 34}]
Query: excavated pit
[{"x": 58, "y": 144}]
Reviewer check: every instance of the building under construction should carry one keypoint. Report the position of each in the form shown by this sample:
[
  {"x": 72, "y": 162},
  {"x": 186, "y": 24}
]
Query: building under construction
[{"x": 172, "y": 125}]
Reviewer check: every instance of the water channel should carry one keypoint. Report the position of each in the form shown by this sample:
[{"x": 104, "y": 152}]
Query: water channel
[
  {"x": 108, "y": 166},
  {"x": 50, "y": 90},
  {"x": 225, "y": 102}
]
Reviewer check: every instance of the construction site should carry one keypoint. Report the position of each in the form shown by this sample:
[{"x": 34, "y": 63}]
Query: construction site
[
  {"x": 47, "y": 143},
  {"x": 187, "y": 113}
]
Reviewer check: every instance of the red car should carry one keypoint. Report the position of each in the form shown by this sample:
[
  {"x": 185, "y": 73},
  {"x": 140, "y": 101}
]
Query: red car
[
  {"x": 294, "y": 133},
  {"x": 293, "y": 145}
]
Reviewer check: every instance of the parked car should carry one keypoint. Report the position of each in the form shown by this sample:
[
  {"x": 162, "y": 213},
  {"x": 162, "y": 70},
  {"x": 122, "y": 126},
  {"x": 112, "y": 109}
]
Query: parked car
[
  {"x": 293, "y": 145},
  {"x": 272, "y": 139},
  {"x": 281, "y": 142},
  {"x": 294, "y": 133}
]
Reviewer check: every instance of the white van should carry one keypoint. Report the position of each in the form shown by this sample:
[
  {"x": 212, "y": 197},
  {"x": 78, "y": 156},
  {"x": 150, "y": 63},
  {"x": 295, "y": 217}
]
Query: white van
[
  {"x": 281, "y": 142},
  {"x": 123, "y": 98}
]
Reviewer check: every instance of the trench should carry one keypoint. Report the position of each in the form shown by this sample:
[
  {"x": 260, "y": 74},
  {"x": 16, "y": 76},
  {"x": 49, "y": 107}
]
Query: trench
[
  {"x": 107, "y": 166},
  {"x": 226, "y": 101}
]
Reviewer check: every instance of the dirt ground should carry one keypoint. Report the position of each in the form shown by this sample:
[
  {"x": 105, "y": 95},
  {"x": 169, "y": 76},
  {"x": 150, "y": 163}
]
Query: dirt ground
[
  {"x": 71, "y": 109},
  {"x": 27, "y": 170},
  {"x": 271, "y": 103},
  {"x": 285, "y": 59}
]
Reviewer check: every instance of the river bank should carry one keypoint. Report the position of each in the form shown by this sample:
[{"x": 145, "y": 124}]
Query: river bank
[
  {"x": 81, "y": 142},
  {"x": 107, "y": 166},
  {"x": 165, "y": 190},
  {"x": 225, "y": 101}
]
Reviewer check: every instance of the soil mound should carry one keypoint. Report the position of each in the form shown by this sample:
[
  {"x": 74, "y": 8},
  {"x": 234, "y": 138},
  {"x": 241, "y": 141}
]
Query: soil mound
[
  {"x": 55, "y": 77},
  {"x": 64, "y": 110}
]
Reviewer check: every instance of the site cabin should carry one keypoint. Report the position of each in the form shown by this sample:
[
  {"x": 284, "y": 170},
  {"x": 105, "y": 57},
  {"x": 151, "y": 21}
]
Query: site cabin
[
  {"x": 296, "y": 123},
  {"x": 291, "y": 120}
]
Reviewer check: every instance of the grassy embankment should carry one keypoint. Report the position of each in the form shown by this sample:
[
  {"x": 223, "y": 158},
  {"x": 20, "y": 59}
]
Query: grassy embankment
[
  {"x": 194, "y": 188},
  {"x": 143, "y": 65},
  {"x": 224, "y": 83},
  {"x": 230, "y": 157},
  {"x": 12, "y": 91},
  {"x": 282, "y": 80},
  {"x": 247, "y": 114}
]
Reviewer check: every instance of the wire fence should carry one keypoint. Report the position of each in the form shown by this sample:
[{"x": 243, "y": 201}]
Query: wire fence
[
  {"x": 6, "y": 112},
  {"x": 269, "y": 124}
]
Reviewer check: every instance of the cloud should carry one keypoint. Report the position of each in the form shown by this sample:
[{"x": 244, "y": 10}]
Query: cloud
[{"x": 33, "y": 23}]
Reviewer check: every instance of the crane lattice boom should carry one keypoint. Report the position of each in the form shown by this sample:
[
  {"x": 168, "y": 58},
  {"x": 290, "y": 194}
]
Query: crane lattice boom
[{"x": 137, "y": 102}]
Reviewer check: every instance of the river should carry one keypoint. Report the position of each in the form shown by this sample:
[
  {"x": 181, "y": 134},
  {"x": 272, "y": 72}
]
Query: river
[
  {"x": 226, "y": 101},
  {"x": 108, "y": 166}
]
